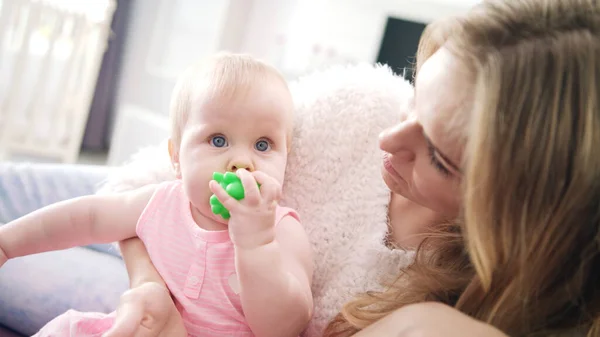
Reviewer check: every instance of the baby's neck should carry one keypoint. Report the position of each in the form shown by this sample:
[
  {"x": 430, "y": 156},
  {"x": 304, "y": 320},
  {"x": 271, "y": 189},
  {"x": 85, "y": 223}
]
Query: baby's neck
[
  {"x": 205, "y": 222},
  {"x": 408, "y": 222}
]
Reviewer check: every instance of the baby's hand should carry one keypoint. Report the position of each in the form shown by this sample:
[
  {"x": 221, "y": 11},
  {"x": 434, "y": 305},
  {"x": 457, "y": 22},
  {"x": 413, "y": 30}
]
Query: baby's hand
[{"x": 252, "y": 219}]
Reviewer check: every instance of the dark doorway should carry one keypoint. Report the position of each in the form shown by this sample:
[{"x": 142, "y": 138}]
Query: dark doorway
[{"x": 399, "y": 45}]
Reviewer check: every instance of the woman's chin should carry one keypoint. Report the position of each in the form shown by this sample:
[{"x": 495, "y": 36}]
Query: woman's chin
[
  {"x": 399, "y": 187},
  {"x": 396, "y": 186}
]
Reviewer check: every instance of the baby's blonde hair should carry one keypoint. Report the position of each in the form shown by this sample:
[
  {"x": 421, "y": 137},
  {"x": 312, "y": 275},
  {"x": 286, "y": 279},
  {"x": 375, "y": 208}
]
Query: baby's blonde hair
[{"x": 222, "y": 76}]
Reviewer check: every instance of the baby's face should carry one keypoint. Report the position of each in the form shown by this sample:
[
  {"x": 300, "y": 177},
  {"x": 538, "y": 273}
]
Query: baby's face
[{"x": 249, "y": 132}]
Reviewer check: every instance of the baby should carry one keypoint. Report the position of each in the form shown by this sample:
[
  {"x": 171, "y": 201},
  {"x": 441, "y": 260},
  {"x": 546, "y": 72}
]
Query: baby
[{"x": 245, "y": 276}]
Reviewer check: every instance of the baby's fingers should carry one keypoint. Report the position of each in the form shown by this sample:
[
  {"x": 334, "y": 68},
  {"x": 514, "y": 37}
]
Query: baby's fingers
[
  {"x": 270, "y": 188},
  {"x": 251, "y": 192},
  {"x": 228, "y": 201}
]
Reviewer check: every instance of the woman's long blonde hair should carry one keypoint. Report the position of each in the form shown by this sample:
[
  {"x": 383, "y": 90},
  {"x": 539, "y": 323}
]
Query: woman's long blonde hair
[{"x": 526, "y": 255}]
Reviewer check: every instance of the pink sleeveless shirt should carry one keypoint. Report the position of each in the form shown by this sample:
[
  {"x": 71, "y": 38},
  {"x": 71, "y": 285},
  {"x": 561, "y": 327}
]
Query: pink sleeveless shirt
[{"x": 198, "y": 266}]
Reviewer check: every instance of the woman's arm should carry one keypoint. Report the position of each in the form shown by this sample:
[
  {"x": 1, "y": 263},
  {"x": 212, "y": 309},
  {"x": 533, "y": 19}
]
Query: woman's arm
[
  {"x": 138, "y": 263},
  {"x": 429, "y": 319},
  {"x": 147, "y": 308}
]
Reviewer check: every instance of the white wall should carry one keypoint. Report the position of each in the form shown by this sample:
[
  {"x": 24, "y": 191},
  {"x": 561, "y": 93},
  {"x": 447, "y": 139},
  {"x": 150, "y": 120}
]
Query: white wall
[
  {"x": 331, "y": 31},
  {"x": 300, "y": 35},
  {"x": 266, "y": 33},
  {"x": 294, "y": 35},
  {"x": 164, "y": 36}
]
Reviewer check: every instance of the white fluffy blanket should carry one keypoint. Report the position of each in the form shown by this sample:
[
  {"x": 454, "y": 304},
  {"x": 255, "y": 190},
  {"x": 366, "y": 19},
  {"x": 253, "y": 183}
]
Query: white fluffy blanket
[{"x": 333, "y": 179}]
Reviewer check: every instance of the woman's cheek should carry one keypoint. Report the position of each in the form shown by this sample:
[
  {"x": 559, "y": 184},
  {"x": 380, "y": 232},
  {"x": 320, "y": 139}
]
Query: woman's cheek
[{"x": 428, "y": 184}]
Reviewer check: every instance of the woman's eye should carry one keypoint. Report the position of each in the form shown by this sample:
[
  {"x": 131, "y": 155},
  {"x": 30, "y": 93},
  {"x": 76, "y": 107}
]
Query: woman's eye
[
  {"x": 440, "y": 167},
  {"x": 436, "y": 163},
  {"x": 262, "y": 145},
  {"x": 218, "y": 141}
]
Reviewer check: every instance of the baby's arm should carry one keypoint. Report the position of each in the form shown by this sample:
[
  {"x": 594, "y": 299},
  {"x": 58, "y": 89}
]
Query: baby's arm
[
  {"x": 75, "y": 222},
  {"x": 275, "y": 281}
]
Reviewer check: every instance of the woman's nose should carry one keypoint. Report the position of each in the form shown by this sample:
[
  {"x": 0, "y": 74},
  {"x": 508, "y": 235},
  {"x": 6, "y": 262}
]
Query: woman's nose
[{"x": 402, "y": 136}]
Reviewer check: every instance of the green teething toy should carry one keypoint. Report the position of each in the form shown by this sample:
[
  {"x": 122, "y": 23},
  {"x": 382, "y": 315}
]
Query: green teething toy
[{"x": 232, "y": 184}]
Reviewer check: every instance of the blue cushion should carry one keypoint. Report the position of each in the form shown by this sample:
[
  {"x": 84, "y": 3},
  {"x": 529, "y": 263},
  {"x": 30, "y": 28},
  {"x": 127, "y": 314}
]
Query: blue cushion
[
  {"x": 34, "y": 289},
  {"x": 108, "y": 248},
  {"x": 37, "y": 288},
  {"x": 26, "y": 187}
]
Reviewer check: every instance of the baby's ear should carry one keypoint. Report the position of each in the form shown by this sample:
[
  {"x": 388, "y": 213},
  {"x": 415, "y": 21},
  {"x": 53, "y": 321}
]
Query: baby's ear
[{"x": 174, "y": 154}]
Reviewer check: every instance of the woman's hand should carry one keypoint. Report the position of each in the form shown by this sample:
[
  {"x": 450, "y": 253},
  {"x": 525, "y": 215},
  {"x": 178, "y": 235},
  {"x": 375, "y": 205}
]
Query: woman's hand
[
  {"x": 147, "y": 311},
  {"x": 429, "y": 319}
]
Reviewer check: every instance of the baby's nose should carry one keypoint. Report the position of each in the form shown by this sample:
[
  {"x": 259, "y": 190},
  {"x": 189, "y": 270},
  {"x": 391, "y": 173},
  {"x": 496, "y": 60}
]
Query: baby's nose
[{"x": 234, "y": 166}]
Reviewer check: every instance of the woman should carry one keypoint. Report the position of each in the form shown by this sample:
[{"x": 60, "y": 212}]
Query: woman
[
  {"x": 519, "y": 83},
  {"x": 505, "y": 139}
]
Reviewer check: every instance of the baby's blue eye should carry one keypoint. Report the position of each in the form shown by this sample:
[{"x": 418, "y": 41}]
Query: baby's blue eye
[
  {"x": 262, "y": 145},
  {"x": 218, "y": 141}
]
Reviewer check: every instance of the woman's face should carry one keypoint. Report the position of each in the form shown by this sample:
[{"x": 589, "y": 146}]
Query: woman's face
[{"x": 423, "y": 153}]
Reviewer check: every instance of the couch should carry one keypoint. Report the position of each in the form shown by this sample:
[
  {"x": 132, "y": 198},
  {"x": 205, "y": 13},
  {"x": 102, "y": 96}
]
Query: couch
[{"x": 36, "y": 288}]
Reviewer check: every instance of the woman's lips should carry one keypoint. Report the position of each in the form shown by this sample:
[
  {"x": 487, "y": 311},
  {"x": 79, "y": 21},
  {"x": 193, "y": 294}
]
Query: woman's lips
[{"x": 387, "y": 165}]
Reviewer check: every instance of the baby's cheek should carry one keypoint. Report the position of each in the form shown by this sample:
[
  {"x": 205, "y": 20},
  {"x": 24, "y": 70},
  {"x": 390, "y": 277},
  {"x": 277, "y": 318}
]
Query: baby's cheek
[
  {"x": 279, "y": 175},
  {"x": 277, "y": 170},
  {"x": 197, "y": 190}
]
